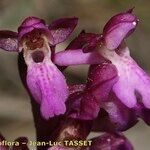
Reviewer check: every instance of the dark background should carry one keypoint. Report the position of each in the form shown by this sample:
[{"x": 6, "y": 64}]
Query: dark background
[{"x": 15, "y": 110}]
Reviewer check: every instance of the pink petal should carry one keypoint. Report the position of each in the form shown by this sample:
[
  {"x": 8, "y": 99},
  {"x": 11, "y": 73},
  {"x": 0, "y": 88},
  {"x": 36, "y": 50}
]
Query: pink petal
[
  {"x": 76, "y": 57},
  {"x": 131, "y": 78},
  {"x": 62, "y": 28},
  {"x": 9, "y": 40},
  {"x": 29, "y": 24},
  {"x": 48, "y": 86},
  {"x": 118, "y": 28}
]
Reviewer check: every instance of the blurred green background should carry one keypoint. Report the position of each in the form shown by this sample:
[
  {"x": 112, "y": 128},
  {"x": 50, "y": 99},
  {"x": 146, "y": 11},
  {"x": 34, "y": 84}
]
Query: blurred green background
[{"x": 15, "y": 110}]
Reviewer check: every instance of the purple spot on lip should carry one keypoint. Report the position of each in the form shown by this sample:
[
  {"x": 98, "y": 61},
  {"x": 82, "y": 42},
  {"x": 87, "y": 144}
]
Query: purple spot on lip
[{"x": 38, "y": 56}]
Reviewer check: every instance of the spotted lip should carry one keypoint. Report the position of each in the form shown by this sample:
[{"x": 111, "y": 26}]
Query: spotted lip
[{"x": 39, "y": 54}]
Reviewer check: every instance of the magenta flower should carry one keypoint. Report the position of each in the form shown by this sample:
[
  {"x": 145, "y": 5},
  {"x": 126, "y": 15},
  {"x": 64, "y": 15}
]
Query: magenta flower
[
  {"x": 132, "y": 78},
  {"x": 37, "y": 41},
  {"x": 114, "y": 96},
  {"x": 111, "y": 46}
]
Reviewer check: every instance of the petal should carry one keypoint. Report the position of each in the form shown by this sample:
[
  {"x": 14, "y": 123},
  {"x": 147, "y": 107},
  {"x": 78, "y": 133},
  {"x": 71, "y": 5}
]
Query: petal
[
  {"x": 101, "y": 79},
  {"x": 118, "y": 28},
  {"x": 62, "y": 28},
  {"x": 86, "y": 41},
  {"x": 9, "y": 40},
  {"x": 100, "y": 73},
  {"x": 110, "y": 141},
  {"x": 33, "y": 23},
  {"x": 131, "y": 78},
  {"x": 76, "y": 57},
  {"x": 48, "y": 86},
  {"x": 120, "y": 116},
  {"x": 115, "y": 116},
  {"x": 77, "y": 108}
]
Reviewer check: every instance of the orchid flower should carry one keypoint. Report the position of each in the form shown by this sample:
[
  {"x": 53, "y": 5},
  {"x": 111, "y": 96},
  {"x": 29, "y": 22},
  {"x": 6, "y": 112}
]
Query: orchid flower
[
  {"x": 110, "y": 84},
  {"x": 111, "y": 46},
  {"x": 132, "y": 78},
  {"x": 36, "y": 41}
]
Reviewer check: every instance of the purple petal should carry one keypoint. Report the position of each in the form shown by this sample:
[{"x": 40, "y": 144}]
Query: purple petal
[
  {"x": 86, "y": 41},
  {"x": 62, "y": 28},
  {"x": 32, "y": 23},
  {"x": 48, "y": 87},
  {"x": 99, "y": 73},
  {"x": 131, "y": 77},
  {"x": 9, "y": 40},
  {"x": 115, "y": 116},
  {"x": 78, "y": 109},
  {"x": 118, "y": 28},
  {"x": 120, "y": 116},
  {"x": 110, "y": 141},
  {"x": 101, "y": 79},
  {"x": 74, "y": 109},
  {"x": 76, "y": 57}
]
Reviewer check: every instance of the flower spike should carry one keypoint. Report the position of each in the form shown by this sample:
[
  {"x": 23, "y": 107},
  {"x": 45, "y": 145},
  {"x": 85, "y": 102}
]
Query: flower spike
[{"x": 34, "y": 41}]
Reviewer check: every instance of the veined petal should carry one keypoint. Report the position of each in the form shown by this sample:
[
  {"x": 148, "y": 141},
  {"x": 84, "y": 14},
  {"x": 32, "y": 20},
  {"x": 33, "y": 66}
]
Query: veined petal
[
  {"x": 76, "y": 57},
  {"x": 9, "y": 40},
  {"x": 48, "y": 86},
  {"x": 131, "y": 77},
  {"x": 61, "y": 29},
  {"x": 118, "y": 28}
]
